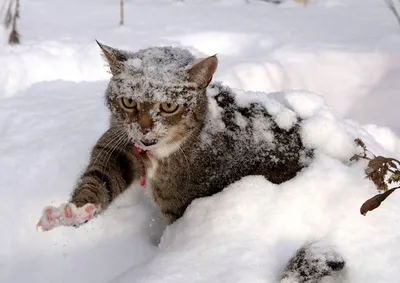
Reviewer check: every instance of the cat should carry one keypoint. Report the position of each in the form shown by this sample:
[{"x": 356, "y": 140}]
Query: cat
[
  {"x": 178, "y": 134},
  {"x": 173, "y": 129}
]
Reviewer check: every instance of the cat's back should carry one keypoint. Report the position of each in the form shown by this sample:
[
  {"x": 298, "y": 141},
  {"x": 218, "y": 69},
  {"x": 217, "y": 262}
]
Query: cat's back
[{"x": 240, "y": 137}]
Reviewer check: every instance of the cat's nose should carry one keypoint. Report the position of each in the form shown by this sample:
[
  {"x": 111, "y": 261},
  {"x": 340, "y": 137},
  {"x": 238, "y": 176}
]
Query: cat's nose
[{"x": 146, "y": 123}]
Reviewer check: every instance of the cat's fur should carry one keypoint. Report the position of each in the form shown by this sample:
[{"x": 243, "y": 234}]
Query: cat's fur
[
  {"x": 209, "y": 143},
  {"x": 313, "y": 262}
]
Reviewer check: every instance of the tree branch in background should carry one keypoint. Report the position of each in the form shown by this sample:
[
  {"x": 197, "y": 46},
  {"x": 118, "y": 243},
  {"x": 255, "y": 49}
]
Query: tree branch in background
[
  {"x": 392, "y": 8},
  {"x": 381, "y": 170},
  {"x": 121, "y": 12},
  {"x": 303, "y": 2},
  {"x": 10, "y": 20}
]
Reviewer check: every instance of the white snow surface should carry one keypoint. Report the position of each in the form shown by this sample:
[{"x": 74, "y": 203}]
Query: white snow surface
[{"x": 341, "y": 60}]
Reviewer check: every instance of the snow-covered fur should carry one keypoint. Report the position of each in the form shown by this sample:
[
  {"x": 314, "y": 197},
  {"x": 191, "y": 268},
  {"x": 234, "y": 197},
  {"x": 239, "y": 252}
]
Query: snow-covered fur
[{"x": 312, "y": 263}]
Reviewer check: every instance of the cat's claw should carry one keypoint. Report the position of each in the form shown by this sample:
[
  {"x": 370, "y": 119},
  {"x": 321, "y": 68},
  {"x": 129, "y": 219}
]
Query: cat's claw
[{"x": 66, "y": 215}]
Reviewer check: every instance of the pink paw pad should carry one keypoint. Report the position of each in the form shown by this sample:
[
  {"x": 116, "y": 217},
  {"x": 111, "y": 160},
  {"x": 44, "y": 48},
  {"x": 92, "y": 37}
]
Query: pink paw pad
[
  {"x": 66, "y": 215},
  {"x": 90, "y": 209},
  {"x": 68, "y": 211},
  {"x": 51, "y": 214},
  {"x": 49, "y": 218}
]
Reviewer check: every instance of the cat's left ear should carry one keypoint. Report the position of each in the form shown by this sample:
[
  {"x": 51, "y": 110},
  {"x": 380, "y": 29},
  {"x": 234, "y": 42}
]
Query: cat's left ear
[
  {"x": 113, "y": 57},
  {"x": 201, "y": 73}
]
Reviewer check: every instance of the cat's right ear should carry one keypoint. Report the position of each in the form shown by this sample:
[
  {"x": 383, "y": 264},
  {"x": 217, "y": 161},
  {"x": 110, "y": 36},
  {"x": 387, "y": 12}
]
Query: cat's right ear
[
  {"x": 113, "y": 58},
  {"x": 201, "y": 73}
]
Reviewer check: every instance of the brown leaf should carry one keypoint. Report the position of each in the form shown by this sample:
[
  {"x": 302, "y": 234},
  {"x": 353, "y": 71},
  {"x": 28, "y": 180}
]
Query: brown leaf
[
  {"x": 375, "y": 201},
  {"x": 376, "y": 171},
  {"x": 378, "y": 162},
  {"x": 355, "y": 157},
  {"x": 379, "y": 180},
  {"x": 395, "y": 177},
  {"x": 359, "y": 142}
]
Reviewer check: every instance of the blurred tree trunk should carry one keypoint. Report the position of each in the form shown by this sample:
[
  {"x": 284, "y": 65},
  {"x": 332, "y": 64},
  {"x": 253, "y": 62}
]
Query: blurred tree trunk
[
  {"x": 121, "y": 12},
  {"x": 11, "y": 16}
]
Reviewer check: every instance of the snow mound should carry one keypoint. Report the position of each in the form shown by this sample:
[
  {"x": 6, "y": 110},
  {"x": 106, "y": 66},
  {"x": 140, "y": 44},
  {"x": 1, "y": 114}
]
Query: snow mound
[
  {"x": 342, "y": 76},
  {"x": 25, "y": 65},
  {"x": 266, "y": 223},
  {"x": 246, "y": 233},
  {"x": 213, "y": 42}
]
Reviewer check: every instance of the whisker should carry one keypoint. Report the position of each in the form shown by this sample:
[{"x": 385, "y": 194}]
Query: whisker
[
  {"x": 111, "y": 151},
  {"x": 113, "y": 139}
]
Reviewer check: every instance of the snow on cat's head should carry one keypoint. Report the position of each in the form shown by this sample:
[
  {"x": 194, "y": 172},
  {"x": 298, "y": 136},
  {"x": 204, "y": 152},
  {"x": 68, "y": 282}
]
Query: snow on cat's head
[{"x": 157, "y": 95}]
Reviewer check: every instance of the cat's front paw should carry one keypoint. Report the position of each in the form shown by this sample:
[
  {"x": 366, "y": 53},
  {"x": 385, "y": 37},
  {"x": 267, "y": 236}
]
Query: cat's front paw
[{"x": 66, "y": 215}]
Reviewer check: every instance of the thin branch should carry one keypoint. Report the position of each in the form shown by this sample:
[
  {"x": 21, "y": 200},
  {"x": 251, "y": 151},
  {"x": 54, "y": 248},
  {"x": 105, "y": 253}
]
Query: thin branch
[
  {"x": 8, "y": 15},
  {"x": 3, "y": 6},
  {"x": 392, "y": 8},
  {"x": 121, "y": 12},
  {"x": 14, "y": 37}
]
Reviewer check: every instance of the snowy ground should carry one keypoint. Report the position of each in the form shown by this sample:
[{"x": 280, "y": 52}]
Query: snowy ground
[{"x": 51, "y": 113}]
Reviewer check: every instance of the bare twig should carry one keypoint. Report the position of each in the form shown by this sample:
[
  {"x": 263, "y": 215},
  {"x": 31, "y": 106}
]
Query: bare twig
[
  {"x": 8, "y": 14},
  {"x": 10, "y": 17},
  {"x": 3, "y": 6},
  {"x": 14, "y": 35},
  {"x": 303, "y": 2},
  {"x": 121, "y": 12},
  {"x": 392, "y": 8}
]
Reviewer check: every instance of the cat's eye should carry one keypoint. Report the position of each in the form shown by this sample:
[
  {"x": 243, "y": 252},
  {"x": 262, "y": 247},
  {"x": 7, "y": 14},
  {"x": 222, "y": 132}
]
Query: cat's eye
[
  {"x": 169, "y": 107},
  {"x": 128, "y": 103}
]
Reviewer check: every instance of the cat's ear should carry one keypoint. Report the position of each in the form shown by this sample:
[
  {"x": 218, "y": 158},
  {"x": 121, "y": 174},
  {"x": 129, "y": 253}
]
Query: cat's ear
[
  {"x": 113, "y": 58},
  {"x": 201, "y": 73}
]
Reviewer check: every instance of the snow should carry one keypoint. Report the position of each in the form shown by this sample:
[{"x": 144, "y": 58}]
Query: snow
[
  {"x": 339, "y": 58},
  {"x": 156, "y": 78},
  {"x": 284, "y": 117},
  {"x": 25, "y": 65}
]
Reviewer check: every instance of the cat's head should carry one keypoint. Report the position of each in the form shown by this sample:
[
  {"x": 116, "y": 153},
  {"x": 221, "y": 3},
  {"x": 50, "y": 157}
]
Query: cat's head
[{"x": 157, "y": 96}]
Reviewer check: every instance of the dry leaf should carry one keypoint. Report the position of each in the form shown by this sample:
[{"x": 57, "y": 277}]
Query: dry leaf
[
  {"x": 375, "y": 201},
  {"x": 378, "y": 168}
]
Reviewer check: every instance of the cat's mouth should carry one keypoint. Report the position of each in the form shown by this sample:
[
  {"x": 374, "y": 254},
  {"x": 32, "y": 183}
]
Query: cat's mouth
[{"x": 149, "y": 142}]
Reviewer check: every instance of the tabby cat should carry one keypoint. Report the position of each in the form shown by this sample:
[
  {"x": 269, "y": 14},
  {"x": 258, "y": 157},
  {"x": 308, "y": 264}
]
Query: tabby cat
[{"x": 179, "y": 135}]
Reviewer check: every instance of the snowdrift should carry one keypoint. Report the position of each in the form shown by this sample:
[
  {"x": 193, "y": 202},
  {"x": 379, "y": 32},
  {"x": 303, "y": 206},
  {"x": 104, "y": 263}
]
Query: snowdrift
[
  {"x": 52, "y": 112},
  {"x": 246, "y": 233}
]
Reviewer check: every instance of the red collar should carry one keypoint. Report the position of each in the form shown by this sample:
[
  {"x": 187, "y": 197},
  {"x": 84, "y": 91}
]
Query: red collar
[{"x": 139, "y": 152}]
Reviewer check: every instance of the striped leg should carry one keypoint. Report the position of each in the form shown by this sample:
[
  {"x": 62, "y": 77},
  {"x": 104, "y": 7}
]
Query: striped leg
[{"x": 113, "y": 167}]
